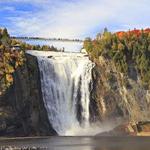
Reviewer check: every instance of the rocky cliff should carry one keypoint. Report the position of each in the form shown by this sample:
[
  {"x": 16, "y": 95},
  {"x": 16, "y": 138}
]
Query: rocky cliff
[
  {"x": 117, "y": 96},
  {"x": 22, "y": 111}
]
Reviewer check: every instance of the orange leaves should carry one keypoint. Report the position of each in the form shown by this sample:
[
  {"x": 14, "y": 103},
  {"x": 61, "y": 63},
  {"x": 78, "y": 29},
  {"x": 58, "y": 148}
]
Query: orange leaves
[
  {"x": 9, "y": 78},
  {"x": 147, "y": 30},
  {"x": 120, "y": 34},
  {"x": 135, "y": 32}
]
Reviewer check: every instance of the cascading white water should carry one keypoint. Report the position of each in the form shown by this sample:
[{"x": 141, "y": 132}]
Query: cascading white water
[{"x": 65, "y": 82}]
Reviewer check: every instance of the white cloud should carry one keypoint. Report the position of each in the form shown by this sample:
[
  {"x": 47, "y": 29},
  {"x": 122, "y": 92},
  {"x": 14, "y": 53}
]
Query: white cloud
[{"x": 77, "y": 19}]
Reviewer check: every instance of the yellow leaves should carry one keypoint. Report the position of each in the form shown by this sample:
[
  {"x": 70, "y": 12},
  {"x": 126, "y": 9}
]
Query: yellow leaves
[
  {"x": 121, "y": 47},
  {"x": 14, "y": 42},
  {"x": 9, "y": 62},
  {"x": 2, "y": 47},
  {"x": 19, "y": 60},
  {"x": 17, "y": 64},
  {"x": 9, "y": 78},
  {"x": 7, "y": 55},
  {"x": 9, "y": 69}
]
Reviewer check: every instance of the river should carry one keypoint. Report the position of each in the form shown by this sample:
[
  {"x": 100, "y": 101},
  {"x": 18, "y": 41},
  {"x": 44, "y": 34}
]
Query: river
[
  {"x": 68, "y": 46},
  {"x": 82, "y": 143}
]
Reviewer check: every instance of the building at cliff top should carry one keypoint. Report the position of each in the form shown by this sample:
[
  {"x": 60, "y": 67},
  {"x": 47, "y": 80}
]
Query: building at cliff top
[{"x": 16, "y": 47}]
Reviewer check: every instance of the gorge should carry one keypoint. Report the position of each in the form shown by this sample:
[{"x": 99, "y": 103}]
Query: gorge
[
  {"x": 58, "y": 93},
  {"x": 79, "y": 94},
  {"x": 70, "y": 93}
]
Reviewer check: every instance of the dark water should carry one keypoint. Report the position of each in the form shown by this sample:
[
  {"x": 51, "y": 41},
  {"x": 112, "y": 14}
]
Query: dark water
[{"x": 83, "y": 143}]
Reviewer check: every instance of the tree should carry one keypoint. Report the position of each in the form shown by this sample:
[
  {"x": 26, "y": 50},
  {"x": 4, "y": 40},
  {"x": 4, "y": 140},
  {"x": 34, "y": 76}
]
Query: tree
[
  {"x": 105, "y": 30},
  {"x": 5, "y": 37},
  {"x": 88, "y": 44}
]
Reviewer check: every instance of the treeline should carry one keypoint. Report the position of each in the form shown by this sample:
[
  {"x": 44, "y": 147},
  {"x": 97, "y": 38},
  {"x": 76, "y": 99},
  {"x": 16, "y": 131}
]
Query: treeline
[
  {"x": 124, "y": 49},
  {"x": 25, "y": 46},
  {"x": 7, "y": 43},
  {"x": 46, "y": 39}
]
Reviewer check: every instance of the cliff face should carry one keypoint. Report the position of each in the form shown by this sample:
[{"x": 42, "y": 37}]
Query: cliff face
[
  {"x": 22, "y": 111},
  {"x": 118, "y": 96},
  {"x": 114, "y": 96}
]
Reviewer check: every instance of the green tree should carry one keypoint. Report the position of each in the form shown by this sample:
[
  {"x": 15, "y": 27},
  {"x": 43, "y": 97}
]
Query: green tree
[{"x": 5, "y": 37}]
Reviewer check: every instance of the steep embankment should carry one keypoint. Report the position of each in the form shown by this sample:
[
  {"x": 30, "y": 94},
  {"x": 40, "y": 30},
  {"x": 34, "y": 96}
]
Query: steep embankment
[
  {"x": 22, "y": 108},
  {"x": 118, "y": 96},
  {"x": 122, "y": 75}
]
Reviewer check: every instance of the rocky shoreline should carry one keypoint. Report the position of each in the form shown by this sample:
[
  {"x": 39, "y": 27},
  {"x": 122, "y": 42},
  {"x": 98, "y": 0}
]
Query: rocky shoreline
[{"x": 129, "y": 129}]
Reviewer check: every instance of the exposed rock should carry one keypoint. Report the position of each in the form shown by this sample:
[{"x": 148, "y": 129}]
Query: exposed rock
[
  {"x": 22, "y": 111},
  {"x": 143, "y": 126},
  {"x": 121, "y": 130},
  {"x": 50, "y": 57},
  {"x": 129, "y": 129},
  {"x": 118, "y": 96},
  {"x": 114, "y": 96}
]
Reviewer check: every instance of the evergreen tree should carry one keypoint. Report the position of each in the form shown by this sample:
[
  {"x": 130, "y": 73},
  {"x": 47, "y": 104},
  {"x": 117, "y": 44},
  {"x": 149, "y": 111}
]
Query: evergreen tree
[{"x": 5, "y": 39}]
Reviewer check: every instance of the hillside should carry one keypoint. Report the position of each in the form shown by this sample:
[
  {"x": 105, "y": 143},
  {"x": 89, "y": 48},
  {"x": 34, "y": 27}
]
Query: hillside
[
  {"x": 121, "y": 75},
  {"x": 126, "y": 50}
]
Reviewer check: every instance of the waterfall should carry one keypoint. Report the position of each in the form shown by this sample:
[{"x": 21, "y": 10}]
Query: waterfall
[{"x": 66, "y": 83}]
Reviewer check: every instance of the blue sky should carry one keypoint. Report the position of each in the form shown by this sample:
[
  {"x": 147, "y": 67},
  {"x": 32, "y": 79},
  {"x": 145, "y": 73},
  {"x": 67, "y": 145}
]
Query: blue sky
[{"x": 72, "y": 18}]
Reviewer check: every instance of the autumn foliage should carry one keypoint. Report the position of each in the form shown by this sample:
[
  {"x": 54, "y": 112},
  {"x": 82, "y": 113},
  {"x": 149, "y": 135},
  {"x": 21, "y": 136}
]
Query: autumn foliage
[
  {"x": 9, "y": 61},
  {"x": 124, "y": 49},
  {"x": 135, "y": 32}
]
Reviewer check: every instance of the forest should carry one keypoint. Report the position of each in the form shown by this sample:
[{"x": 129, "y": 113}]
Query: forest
[{"x": 131, "y": 48}]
